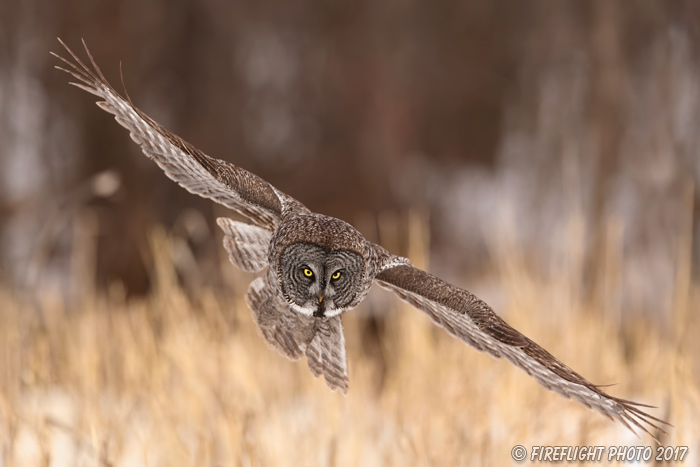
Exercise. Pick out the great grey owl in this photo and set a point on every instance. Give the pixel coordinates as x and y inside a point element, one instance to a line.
<point>316,267</point>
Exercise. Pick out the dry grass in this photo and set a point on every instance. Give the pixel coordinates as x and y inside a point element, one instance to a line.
<point>178,380</point>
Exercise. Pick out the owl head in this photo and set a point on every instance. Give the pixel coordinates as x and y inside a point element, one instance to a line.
<point>323,265</point>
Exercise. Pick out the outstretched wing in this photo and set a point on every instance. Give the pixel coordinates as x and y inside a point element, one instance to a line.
<point>473,321</point>
<point>295,335</point>
<point>200,174</point>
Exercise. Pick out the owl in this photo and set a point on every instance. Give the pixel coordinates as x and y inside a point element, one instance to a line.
<point>314,267</point>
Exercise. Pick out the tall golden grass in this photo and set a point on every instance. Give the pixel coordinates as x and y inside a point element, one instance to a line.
<point>181,378</point>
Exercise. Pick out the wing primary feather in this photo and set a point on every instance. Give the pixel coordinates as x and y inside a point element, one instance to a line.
<point>473,321</point>
<point>205,176</point>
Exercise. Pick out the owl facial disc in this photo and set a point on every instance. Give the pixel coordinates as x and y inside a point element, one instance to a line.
<point>319,282</point>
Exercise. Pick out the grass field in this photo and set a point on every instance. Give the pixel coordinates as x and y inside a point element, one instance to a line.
<point>183,378</point>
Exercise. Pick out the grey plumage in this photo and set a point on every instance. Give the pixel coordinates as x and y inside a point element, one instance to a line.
<point>319,267</point>
<point>247,245</point>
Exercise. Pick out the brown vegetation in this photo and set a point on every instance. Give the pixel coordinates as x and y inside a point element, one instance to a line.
<point>183,378</point>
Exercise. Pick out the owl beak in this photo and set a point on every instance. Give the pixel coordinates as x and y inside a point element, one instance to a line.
<point>320,299</point>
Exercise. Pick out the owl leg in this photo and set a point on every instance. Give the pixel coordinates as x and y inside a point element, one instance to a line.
<point>282,328</point>
<point>326,353</point>
<point>295,335</point>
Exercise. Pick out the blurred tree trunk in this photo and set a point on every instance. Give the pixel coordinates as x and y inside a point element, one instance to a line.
<point>362,93</point>
<point>606,120</point>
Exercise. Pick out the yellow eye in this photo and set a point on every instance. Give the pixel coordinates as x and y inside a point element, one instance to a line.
<point>336,275</point>
<point>308,272</point>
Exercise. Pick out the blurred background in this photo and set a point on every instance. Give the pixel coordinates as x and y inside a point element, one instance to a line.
<point>518,149</point>
<point>484,116</point>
